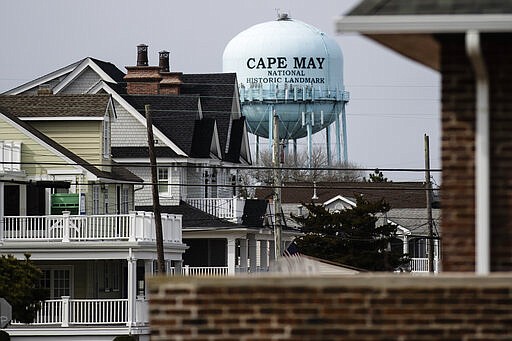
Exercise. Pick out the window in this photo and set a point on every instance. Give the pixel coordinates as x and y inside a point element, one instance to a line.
<point>111,276</point>
<point>105,198</point>
<point>57,281</point>
<point>10,156</point>
<point>125,200</point>
<point>163,182</point>
<point>95,199</point>
<point>106,136</point>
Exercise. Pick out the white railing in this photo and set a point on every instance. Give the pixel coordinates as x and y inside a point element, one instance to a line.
<point>200,271</point>
<point>98,311</point>
<point>66,311</point>
<point>134,226</point>
<point>421,265</point>
<point>224,208</point>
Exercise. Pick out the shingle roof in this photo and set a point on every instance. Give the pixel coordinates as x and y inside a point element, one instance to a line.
<point>110,69</point>
<point>56,105</point>
<point>118,173</point>
<point>193,218</point>
<point>141,152</point>
<point>415,220</point>
<point>235,140</point>
<point>202,138</point>
<point>397,194</point>
<point>432,7</point>
<point>217,91</point>
<point>174,116</point>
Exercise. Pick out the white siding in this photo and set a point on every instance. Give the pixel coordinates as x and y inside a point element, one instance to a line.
<point>82,83</point>
<point>143,197</point>
<point>128,131</point>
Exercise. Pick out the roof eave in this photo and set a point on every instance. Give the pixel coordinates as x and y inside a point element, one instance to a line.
<point>412,35</point>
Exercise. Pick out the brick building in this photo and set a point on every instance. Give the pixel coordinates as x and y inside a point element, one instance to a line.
<point>469,43</point>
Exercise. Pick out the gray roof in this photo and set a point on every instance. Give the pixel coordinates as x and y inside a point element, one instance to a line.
<point>431,7</point>
<point>56,105</point>
<point>415,220</point>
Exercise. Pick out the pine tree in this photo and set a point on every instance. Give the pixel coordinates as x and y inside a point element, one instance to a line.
<point>351,236</point>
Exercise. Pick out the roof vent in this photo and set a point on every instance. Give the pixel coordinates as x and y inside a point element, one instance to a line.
<point>44,90</point>
<point>283,16</point>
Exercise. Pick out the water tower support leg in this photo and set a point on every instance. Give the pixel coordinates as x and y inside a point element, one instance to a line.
<point>344,136</point>
<point>328,144</point>
<point>295,151</point>
<point>310,142</point>
<point>270,128</point>
<point>257,150</point>
<point>338,139</point>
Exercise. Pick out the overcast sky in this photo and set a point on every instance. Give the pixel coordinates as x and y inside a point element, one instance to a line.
<point>394,101</point>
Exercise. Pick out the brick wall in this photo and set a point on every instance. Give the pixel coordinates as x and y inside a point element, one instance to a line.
<point>368,307</point>
<point>458,146</point>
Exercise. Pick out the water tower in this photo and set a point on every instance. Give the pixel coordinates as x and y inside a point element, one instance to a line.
<point>289,68</point>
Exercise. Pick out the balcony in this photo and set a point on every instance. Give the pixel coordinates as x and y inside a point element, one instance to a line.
<point>230,209</point>
<point>66,312</point>
<point>135,226</point>
<point>421,265</point>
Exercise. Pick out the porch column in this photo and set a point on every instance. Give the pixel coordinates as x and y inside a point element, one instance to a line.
<point>231,255</point>
<point>2,204</point>
<point>252,252</point>
<point>264,254</point>
<point>243,255</point>
<point>23,200</point>
<point>272,249</point>
<point>406,244</point>
<point>132,288</point>
<point>148,271</point>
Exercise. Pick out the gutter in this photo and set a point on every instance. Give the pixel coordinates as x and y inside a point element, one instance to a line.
<point>439,23</point>
<point>482,159</point>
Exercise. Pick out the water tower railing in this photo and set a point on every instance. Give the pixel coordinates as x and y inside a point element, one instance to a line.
<point>305,93</point>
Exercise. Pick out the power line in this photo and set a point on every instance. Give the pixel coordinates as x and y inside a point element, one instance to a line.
<point>225,167</point>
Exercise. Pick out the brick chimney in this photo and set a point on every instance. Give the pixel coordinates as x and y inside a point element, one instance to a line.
<point>143,79</point>
<point>171,81</point>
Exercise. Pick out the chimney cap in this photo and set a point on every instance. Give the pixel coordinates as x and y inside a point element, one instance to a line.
<point>142,55</point>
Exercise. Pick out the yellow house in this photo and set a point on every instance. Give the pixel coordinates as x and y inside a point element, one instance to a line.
<point>65,202</point>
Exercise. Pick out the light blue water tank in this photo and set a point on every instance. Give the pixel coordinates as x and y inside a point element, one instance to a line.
<point>290,67</point>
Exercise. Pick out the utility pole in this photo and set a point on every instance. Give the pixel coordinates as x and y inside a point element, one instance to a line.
<point>277,188</point>
<point>154,190</point>
<point>428,191</point>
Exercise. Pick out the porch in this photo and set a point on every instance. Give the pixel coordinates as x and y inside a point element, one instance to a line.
<point>66,312</point>
<point>230,209</point>
<point>135,226</point>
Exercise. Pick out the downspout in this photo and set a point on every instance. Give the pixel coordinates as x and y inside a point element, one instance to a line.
<point>482,159</point>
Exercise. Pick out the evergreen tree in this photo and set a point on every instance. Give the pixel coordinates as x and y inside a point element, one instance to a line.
<point>350,236</point>
<point>19,286</point>
<point>376,176</point>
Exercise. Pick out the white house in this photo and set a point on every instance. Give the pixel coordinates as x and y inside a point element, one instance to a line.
<point>64,201</point>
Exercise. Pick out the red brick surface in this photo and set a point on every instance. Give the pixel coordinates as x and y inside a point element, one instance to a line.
<point>458,148</point>
<point>335,308</point>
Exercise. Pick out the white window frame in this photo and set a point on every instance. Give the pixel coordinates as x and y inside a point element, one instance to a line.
<point>164,179</point>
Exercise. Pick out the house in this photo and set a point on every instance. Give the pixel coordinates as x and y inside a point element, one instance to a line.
<point>406,199</point>
<point>201,143</point>
<point>469,43</point>
<point>65,201</point>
